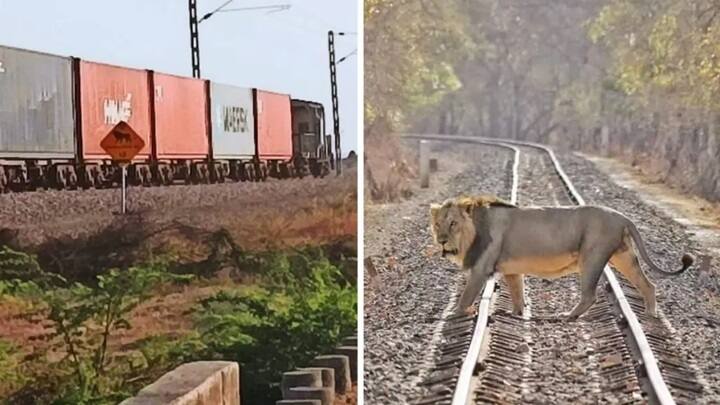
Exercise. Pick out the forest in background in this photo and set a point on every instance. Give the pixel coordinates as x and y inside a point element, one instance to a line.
<point>635,79</point>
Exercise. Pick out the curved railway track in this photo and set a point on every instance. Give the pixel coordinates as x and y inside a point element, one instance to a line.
<point>488,358</point>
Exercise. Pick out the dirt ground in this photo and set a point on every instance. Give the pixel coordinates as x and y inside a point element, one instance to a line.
<point>700,216</point>
<point>349,398</point>
<point>269,214</point>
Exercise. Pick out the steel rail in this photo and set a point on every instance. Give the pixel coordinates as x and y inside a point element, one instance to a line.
<point>649,362</point>
<point>658,387</point>
<point>463,387</point>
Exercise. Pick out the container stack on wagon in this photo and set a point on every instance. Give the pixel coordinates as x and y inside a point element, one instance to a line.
<point>37,122</point>
<point>232,111</point>
<point>182,148</point>
<point>54,111</point>
<point>106,95</point>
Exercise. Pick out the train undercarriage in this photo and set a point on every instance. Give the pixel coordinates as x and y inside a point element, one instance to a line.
<point>31,174</point>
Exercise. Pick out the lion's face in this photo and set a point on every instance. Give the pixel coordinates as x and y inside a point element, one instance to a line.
<point>452,228</point>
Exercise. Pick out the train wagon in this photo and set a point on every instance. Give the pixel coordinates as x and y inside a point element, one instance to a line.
<point>55,111</point>
<point>181,127</point>
<point>232,115</point>
<point>273,133</point>
<point>311,148</point>
<point>37,122</point>
<point>110,94</point>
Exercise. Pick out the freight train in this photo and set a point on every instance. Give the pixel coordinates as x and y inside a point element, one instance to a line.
<point>55,110</point>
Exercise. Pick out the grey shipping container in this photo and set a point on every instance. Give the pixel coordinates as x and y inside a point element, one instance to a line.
<point>233,124</point>
<point>36,105</point>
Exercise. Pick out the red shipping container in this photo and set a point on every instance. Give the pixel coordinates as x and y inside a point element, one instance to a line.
<point>181,127</point>
<point>108,95</point>
<point>274,125</point>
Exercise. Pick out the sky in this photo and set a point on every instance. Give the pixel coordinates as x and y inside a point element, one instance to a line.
<point>283,51</point>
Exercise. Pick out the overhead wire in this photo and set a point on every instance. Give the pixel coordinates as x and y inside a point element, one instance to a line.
<point>208,15</point>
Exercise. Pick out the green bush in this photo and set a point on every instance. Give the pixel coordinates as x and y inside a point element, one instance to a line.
<point>82,319</point>
<point>11,373</point>
<point>303,307</point>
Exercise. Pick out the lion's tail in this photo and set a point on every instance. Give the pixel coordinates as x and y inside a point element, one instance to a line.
<point>687,259</point>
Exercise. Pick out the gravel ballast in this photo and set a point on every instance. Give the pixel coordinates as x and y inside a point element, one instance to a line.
<point>42,215</point>
<point>691,302</point>
<point>404,303</point>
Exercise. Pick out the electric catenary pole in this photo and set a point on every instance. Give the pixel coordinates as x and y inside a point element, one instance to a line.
<point>194,38</point>
<point>194,22</point>
<point>334,94</point>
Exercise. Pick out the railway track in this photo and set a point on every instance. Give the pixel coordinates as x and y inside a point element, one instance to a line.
<point>613,354</point>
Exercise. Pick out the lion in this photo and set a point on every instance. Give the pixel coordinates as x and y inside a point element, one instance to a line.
<point>485,234</point>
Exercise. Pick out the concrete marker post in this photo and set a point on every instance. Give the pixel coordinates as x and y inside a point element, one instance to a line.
<point>325,395</point>
<point>424,164</point>
<point>301,378</point>
<point>341,365</point>
<point>351,353</point>
<point>327,375</point>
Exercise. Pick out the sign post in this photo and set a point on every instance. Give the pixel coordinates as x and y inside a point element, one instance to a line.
<point>123,210</point>
<point>122,143</point>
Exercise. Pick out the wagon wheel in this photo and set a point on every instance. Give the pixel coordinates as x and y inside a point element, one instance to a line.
<point>191,174</point>
<point>250,172</point>
<point>156,176</point>
<point>244,174</point>
<point>60,180</point>
<point>3,181</point>
<point>284,171</point>
<point>204,174</point>
<point>212,174</point>
<point>72,179</point>
<point>221,175</point>
<point>145,177</point>
<point>85,178</point>
<point>167,176</point>
<point>98,180</point>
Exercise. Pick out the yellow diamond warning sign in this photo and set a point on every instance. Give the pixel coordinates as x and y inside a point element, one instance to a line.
<point>122,143</point>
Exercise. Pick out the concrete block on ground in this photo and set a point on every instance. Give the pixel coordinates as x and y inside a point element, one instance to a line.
<point>299,402</point>
<point>341,365</point>
<point>197,383</point>
<point>326,374</point>
<point>351,352</point>
<point>325,395</point>
<point>302,378</point>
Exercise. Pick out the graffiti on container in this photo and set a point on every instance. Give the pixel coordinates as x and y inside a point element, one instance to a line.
<point>234,119</point>
<point>159,93</point>
<point>117,110</point>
